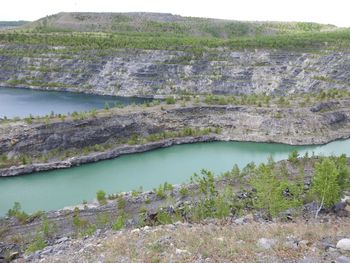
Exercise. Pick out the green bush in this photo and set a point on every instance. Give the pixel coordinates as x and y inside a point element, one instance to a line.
<point>119,223</point>
<point>325,184</point>
<point>293,157</point>
<point>170,100</point>
<point>37,244</point>
<point>121,203</point>
<point>183,191</point>
<point>101,197</point>
<point>271,191</point>
<point>102,219</point>
<point>16,212</point>
<point>48,228</point>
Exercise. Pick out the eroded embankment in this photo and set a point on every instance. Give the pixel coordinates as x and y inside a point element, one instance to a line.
<point>112,133</point>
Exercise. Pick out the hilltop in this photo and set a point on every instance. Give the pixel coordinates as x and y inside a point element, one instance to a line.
<point>162,23</point>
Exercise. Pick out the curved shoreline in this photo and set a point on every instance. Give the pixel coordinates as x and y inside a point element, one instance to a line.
<point>116,127</point>
<point>126,150</point>
<point>79,91</point>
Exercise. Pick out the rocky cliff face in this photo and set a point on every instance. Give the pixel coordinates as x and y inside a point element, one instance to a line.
<point>161,72</point>
<point>242,123</point>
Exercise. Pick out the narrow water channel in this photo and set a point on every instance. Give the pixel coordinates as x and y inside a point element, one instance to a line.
<point>60,188</point>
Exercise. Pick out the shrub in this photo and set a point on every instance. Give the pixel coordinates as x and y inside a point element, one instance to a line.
<point>134,139</point>
<point>293,157</point>
<point>102,219</point>
<point>170,100</point>
<point>121,203</point>
<point>344,172</point>
<point>325,184</point>
<point>16,212</point>
<point>119,223</point>
<point>160,192</point>
<point>101,197</point>
<point>274,194</point>
<point>183,191</point>
<point>48,228</point>
<point>164,217</point>
<point>106,106</point>
<point>37,244</point>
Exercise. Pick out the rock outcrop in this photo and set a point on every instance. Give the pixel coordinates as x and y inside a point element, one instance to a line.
<point>297,126</point>
<point>135,72</point>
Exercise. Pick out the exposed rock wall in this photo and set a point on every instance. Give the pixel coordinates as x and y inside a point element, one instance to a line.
<point>160,72</point>
<point>241,123</point>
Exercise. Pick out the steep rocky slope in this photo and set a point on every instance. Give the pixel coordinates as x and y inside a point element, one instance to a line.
<point>127,72</point>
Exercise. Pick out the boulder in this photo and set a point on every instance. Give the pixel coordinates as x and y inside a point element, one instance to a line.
<point>344,244</point>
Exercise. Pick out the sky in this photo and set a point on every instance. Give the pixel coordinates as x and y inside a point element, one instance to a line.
<point>334,12</point>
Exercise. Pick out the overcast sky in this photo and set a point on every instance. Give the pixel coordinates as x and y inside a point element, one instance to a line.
<point>335,12</point>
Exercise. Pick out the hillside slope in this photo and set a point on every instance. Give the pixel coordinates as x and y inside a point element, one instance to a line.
<point>213,241</point>
<point>150,54</point>
<point>161,23</point>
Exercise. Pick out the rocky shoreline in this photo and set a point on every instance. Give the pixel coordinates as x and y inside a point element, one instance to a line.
<point>62,237</point>
<point>95,157</point>
<point>295,126</point>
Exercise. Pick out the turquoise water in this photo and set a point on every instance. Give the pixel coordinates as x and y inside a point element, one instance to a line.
<point>16,102</point>
<point>60,188</point>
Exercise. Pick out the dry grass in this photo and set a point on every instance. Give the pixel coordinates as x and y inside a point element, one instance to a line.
<point>210,242</point>
<point>223,242</point>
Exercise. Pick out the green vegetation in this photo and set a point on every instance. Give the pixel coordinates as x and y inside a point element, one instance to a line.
<point>170,100</point>
<point>268,188</point>
<point>121,203</point>
<point>156,25</point>
<point>119,223</point>
<point>309,40</point>
<point>17,212</point>
<point>330,180</point>
<point>81,226</point>
<point>293,157</point>
<point>101,197</point>
<point>37,244</point>
<point>163,189</point>
<point>274,192</point>
<point>133,140</point>
<point>187,131</point>
<point>102,220</point>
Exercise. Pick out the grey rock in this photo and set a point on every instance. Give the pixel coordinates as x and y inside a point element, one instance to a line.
<point>326,244</point>
<point>344,244</point>
<point>46,250</point>
<point>239,221</point>
<point>61,240</point>
<point>308,260</point>
<point>265,243</point>
<point>292,244</point>
<point>131,72</point>
<point>343,259</point>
